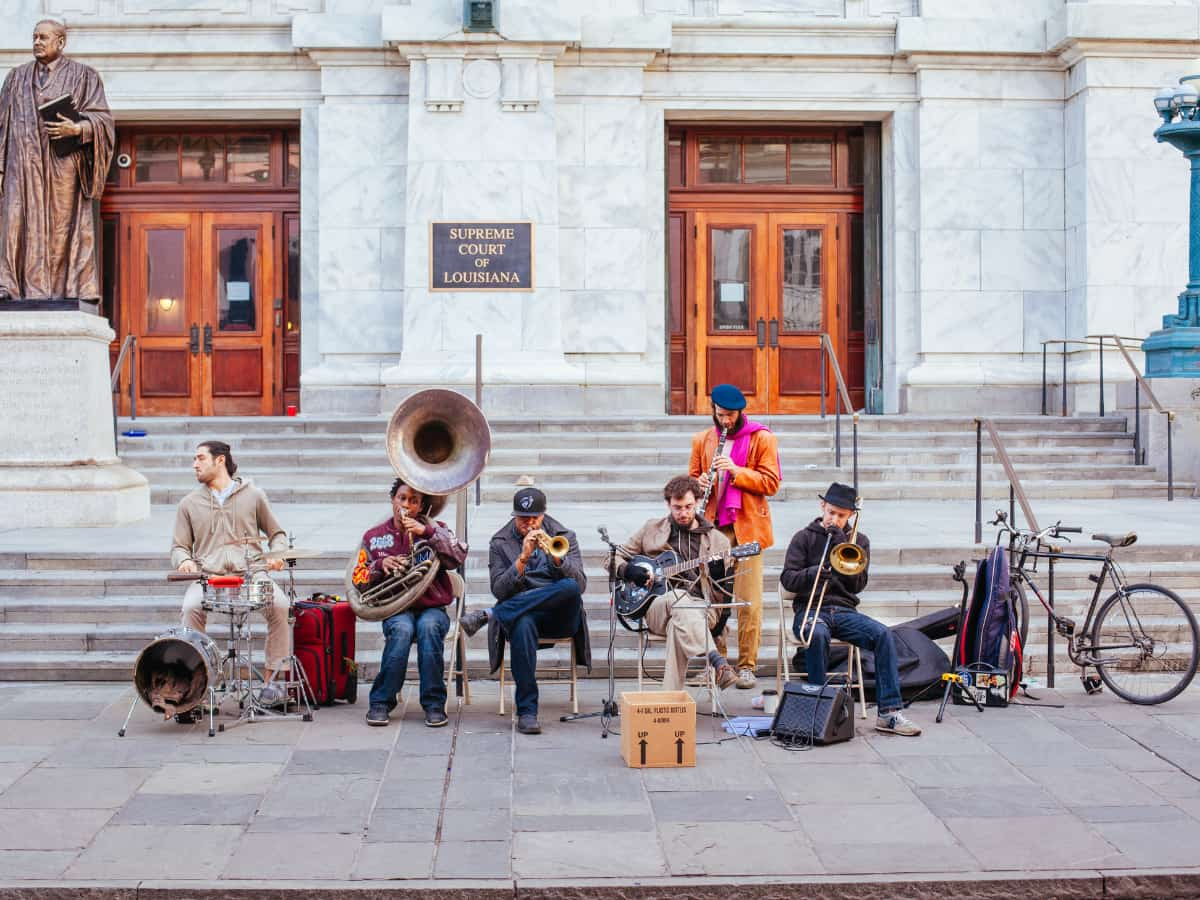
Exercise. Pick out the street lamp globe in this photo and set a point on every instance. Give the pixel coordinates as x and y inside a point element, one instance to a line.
<point>1163,103</point>
<point>1185,100</point>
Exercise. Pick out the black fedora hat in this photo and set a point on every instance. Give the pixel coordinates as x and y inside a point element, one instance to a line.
<point>840,495</point>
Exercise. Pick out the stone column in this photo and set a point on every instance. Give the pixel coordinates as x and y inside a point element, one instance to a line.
<point>482,148</point>
<point>58,465</point>
<point>353,205</point>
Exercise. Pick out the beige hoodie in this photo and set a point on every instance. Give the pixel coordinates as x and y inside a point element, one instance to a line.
<point>205,529</point>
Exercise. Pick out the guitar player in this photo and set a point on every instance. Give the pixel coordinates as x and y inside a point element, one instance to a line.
<point>682,613</point>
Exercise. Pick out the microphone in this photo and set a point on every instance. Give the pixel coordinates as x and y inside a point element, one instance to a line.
<point>603,533</point>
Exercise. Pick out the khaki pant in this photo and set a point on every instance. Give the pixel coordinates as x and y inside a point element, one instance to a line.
<point>747,587</point>
<point>685,622</point>
<point>276,615</point>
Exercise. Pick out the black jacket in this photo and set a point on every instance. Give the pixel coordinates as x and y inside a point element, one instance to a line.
<point>801,563</point>
<point>503,551</point>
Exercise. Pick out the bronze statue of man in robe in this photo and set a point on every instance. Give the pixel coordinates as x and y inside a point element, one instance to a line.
<point>47,228</point>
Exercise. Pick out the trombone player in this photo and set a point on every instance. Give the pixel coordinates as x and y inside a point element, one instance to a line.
<point>817,565</point>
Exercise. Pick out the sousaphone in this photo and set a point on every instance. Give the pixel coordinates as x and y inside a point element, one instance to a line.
<point>438,442</point>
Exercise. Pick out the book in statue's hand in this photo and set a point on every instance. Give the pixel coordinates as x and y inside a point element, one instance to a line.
<point>50,111</point>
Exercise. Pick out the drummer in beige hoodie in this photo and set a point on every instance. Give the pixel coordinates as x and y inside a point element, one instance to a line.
<point>210,525</point>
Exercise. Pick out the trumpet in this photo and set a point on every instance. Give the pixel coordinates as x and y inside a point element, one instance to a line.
<point>846,558</point>
<point>556,547</point>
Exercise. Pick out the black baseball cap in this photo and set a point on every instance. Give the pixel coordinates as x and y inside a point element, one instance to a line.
<point>529,502</point>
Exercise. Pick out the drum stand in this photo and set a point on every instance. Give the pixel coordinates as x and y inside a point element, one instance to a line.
<point>194,714</point>
<point>241,673</point>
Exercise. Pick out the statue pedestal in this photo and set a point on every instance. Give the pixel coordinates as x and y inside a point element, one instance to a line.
<point>57,463</point>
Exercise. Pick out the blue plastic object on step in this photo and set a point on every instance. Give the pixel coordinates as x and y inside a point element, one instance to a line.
<point>133,432</point>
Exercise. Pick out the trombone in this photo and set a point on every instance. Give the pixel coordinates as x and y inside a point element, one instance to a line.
<point>846,558</point>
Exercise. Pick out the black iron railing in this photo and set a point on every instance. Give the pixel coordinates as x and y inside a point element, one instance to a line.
<point>1117,343</point>
<point>1016,491</point>
<point>127,345</point>
<point>842,400</point>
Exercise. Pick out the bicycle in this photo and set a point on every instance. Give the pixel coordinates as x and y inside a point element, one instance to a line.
<point>1142,640</point>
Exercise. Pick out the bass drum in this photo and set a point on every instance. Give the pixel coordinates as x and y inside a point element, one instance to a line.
<point>174,671</point>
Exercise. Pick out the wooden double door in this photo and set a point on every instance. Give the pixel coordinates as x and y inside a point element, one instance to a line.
<point>767,286</point>
<point>202,300</point>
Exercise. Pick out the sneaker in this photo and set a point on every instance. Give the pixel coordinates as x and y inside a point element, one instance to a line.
<point>377,714</point>
<point>472,621</point>
<point>895,722</point>
<point>746,679</point>
<point>725,676</point>
<point>528,724</point>
<point>435,718</point>
<point>272,695</point>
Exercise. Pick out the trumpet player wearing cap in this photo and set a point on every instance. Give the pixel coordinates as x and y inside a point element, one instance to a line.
<point>212,525</point>
<point>386,550</point>
<point>807,572</point>
<point>738,482</point>
<point>538,581</point>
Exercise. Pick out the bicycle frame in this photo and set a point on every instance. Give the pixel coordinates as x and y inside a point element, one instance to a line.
<point>1080,649</point>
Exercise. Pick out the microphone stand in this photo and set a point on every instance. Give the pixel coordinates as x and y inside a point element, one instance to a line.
<point>608,706</point>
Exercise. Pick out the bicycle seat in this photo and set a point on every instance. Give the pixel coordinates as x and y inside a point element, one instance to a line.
<point>1117,540</point>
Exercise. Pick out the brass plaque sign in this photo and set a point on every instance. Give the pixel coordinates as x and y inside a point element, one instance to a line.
<point>481,256</point>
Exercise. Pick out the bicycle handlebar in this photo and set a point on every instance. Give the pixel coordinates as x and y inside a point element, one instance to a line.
<point>1067,529</point>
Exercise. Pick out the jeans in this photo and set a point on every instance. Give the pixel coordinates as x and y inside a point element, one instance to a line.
<point>861,631</point>
<point>552,611</point>
<point>429,626</point>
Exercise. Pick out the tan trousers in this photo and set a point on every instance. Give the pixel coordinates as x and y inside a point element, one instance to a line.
<point>685,622</point>
<point>747,587</point>
<point>276,615</point>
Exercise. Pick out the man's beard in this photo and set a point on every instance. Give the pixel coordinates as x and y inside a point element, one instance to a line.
<point>737,425</point>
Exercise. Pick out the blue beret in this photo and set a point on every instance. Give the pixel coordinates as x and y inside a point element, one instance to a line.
<point>728,397</point>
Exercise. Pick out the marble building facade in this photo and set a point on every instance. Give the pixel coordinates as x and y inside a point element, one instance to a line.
<point>1023,197</point>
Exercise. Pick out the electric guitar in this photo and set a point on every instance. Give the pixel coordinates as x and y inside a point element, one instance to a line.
<point>632,601</point>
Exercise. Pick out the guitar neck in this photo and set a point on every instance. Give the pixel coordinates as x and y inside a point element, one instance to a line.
<point>679,568</point>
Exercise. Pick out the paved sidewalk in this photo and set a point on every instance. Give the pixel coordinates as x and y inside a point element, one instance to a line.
<point>1074,796</point>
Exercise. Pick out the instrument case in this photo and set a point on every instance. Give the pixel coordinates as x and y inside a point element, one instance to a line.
<point>324,646</point>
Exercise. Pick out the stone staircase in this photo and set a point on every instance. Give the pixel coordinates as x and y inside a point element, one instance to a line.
<point>84,615</point>
<point>341,460</point>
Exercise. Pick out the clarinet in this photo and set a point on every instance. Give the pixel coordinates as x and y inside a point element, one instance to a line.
<point>712,472</point>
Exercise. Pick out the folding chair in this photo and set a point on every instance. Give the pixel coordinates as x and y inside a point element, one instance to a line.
<point>456,639</point>
<point>788,642</point>
<point>546,644</point>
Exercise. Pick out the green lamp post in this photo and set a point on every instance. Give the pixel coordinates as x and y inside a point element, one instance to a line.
<point>1174,350</point>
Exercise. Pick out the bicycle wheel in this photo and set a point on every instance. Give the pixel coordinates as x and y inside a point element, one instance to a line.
<point>1021,605</point>
<point>1146,641</point>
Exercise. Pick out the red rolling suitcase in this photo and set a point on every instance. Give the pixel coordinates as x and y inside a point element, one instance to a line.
<point>324,645</point>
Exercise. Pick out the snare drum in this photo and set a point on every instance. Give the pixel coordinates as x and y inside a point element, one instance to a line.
<point>260,592</point>
<point>223,594</point>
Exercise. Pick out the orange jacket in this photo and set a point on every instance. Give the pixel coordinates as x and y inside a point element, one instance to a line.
<point>757,481</point>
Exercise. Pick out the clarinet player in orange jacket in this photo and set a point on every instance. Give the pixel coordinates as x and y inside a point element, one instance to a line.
<point>743,477</point>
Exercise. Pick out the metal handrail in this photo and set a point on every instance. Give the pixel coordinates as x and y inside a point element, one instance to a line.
<point>1140,384</point>
<point>1016,491</point>
<point>1092,340</point>
<point>843,397</point>
<point>130,343</point>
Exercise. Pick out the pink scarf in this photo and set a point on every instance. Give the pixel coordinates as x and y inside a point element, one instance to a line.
<point>729,500</point>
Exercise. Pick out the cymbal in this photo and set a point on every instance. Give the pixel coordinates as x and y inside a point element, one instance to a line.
<point>292,553</point>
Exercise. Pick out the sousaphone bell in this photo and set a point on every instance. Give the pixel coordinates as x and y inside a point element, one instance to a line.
<point>438,442</point>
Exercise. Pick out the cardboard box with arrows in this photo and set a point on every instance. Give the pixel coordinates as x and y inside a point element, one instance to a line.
<point>658,729</point>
